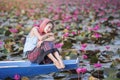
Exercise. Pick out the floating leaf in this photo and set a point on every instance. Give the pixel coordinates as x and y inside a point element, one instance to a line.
<point>7,33</point>
<point>67,45</point>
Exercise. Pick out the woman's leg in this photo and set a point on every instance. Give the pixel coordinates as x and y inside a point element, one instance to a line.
<point>58,57</point>
<point>55,61</point>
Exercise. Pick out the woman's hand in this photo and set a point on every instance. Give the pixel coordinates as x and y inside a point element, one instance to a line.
<point>39,43</point>
<point>50,34</point>
<point>50,38</point>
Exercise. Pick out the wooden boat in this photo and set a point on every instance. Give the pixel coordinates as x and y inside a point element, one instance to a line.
<point>26,68</point>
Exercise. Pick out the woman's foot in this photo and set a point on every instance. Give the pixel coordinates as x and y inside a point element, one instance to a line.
<point>61,64</point>
<point>57,64</point>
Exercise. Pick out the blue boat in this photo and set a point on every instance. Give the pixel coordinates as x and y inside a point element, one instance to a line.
<point>26,68</point>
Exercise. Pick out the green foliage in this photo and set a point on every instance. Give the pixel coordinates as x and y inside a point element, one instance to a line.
<point>67,45</point>
<point>111,78</point>
<point>93,59</point>
<point>7,33</point>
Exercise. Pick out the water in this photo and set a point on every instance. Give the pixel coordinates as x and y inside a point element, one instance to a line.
<point>72,75</point>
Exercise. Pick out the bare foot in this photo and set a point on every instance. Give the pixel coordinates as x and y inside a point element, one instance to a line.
<point>62,64</point>
<point>56,63</point>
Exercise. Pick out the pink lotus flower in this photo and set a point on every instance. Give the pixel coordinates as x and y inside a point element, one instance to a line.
<point>107,47</point>
<point>82,49</point>
<point>96,35</point>
<point>67,18</point>
<point>90,29</point>
<point>97,27</point>
<point>56,17</point>
<point>84,45</point>
<point>81,70</point>
<point>84,56</point>
<point>103,19</point>
<point>76,12</point>
<point>58,45</point>
<point>1,43</point>
<point>13,30</point>
<point>17,77</point>
<point>67,27</point>
<point>58,10</point>
<point>31,10</point>
<point>101,14</point>
<point>63,16</point>
<point>50,9</point>
<point>97,10</point>
<point>66,34</point>
<point>97,65</point>
<point>78,32</point>
<point>118,24</point>
<point>74,33</point>
<point>75,17</point>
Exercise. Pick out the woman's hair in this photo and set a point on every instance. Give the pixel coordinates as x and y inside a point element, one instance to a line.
<point>41,24</point>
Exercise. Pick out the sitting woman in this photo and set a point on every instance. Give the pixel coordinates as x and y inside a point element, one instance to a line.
<point>39,45</point>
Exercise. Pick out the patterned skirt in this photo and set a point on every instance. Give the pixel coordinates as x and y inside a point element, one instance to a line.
<point>39,55</point>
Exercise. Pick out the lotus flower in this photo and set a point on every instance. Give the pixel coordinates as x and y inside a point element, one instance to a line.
<point>103,19</point>
<point>56,17</point>
<point>84,56</point>
<point>67,18</point>
<point>1,43</point>
<point>97,65</point>
<point>107,47</point>
<point>75,17</point>
<point>96,35</point>
<point>101,14</point>
<point>50,9</point>
<point>76,12</point>
<point>74,33</point>
<point>66,34</point>
<point>97,27</point>
<point>90,29</point>
<point>118,24</point>
<point>67,27</point>
<point>82,49</point>
<point>58,10</point>
<point>13,30</point>
<point>58,45</point>
<point>81,70</point>
<point>17,77</point>
<point>84,45</point>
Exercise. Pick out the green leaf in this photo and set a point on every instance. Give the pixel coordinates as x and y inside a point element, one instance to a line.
<point>79,37</point>
<point>67,45</point>
<point>111,78</point>
<point>1,30</point>
<point>7,33</point>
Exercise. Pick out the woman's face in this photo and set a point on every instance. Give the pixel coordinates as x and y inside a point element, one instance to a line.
<point>48,28</point>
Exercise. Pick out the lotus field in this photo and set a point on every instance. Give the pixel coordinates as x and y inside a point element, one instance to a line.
<point>85,30</point>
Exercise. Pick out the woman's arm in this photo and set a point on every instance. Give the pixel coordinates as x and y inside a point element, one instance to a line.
<point>40,37</point>
<point>50,38</point>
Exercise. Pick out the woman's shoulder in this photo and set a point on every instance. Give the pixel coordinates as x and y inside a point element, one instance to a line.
<point>35,28</point>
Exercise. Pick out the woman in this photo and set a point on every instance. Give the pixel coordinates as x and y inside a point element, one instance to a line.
<point>40,47</point>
